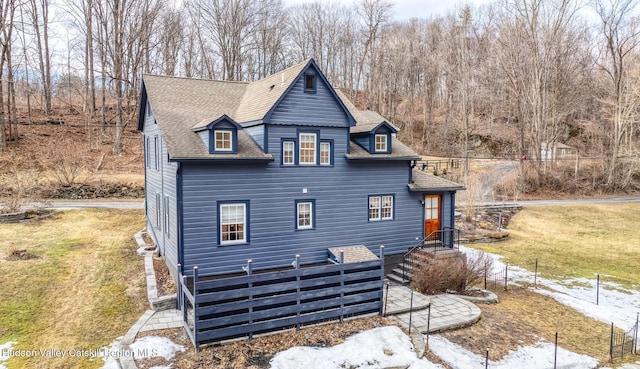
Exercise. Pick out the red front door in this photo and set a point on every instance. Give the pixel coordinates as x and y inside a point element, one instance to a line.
<point>431,216</point>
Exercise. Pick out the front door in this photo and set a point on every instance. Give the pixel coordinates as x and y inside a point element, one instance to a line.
<point>431,216</point>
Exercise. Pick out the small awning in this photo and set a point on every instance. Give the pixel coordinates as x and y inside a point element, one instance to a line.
<point>352,254</point>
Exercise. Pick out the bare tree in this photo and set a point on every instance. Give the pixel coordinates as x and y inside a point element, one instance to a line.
<point>38,11</point>
<point>620,32</point>
<point>7,14</point>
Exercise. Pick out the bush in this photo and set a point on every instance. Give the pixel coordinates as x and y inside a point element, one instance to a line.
<point>437,275</point>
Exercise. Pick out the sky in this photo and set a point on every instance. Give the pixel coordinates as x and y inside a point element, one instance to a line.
<point>407,9</point>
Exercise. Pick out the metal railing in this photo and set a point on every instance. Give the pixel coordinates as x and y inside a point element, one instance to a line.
<point>444,239</point>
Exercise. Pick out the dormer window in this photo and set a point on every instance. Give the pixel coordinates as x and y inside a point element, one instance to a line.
<point>381,143</point>
<point>219,135</point>
<point>310,82</point>
<point>223,140</point>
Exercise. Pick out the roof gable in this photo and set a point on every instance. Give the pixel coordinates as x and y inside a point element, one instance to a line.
<point>303,101</point>
<point>224,120</point>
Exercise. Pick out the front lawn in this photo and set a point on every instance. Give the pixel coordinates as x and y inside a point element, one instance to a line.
<point>573,241</point>
<point>70,282</point>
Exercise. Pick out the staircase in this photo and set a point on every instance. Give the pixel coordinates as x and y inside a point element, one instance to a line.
<point>440,244</point>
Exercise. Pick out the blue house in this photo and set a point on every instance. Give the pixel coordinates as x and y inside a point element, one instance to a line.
<point>280,167</point>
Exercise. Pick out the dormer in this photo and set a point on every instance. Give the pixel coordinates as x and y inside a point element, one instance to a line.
<point>375,138</point>
<point>219,135</point>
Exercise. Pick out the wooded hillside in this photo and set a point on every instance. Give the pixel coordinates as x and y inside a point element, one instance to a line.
<point>506,80</point>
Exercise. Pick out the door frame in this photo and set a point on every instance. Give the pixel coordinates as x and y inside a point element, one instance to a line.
<point>424,213</point>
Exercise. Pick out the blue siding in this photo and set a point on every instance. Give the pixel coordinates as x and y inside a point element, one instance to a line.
<point>340,193</point>
<point>257,133</point>
<point>364,141</point>
<point>310,109</point>
<point>204,136</point>
<point>161,182</point>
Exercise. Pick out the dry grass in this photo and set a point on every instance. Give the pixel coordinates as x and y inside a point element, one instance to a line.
<point>257,353</point>
<point>576,241</point>
<point>84,289</point>
<point>523,317</point>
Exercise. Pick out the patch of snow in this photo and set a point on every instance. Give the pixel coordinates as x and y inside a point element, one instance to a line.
<point>376,348</point>
<point>540,356</point>
<point>111,353</point>
<point>616,304</point>
<point>154,346</point>
<point>4,349</point>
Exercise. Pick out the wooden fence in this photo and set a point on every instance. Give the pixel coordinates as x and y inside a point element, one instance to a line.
<point>243,306</point>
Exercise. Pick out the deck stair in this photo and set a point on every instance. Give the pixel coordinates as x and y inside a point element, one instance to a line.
<point>438,245</point>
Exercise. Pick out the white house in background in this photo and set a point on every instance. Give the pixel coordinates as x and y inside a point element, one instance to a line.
<point>554,151</point>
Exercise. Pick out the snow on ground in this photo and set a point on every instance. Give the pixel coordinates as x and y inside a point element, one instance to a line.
<point>111,360</point>
<point>376,348</point>
<point>153,346</point>
<point>142,348</point>
<point>540,356</point>
<point>4,349</point>
<point>617,304</point>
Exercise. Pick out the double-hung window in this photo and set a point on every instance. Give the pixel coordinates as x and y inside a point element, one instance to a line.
<point>381,207</point>
<point>233,223</point>
<point>304,214</point>
<point>307,148</point>
<point>288,152</point>
<point>325,153</point>
<point>156,154</point>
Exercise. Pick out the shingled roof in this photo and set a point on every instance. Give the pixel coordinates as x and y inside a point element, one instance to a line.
<point>423,181</point>
<point>183,105</point>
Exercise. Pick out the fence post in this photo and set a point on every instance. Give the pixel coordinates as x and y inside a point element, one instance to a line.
<point>184,306</point>
<point>410,310</point>
<point>635,339</point>
<point>341,286</point>
<point>250,286</point>
<point>179,296</point>
<point>298,291</point>
<point>598,291</point>
<point>611,345</point>
<point>535,275</point>
<point>506,269</point>
<point>383,309</point>
<point>195,308</point>
<point>485,278</point>
<point>555,353</point>
<point>428,323</point>
<point>486,359</point>
<point>386,297</point>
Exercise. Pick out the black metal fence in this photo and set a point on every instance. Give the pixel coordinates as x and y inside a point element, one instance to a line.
<point>497,281</point>
<point>220,309</point>
<point>623,343</point>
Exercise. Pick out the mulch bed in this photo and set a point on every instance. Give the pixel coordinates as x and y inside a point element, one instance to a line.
<point>257,353</point>
<point>164,281</point>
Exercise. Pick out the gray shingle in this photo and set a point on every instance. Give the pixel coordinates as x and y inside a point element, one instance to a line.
<point>423,181</point>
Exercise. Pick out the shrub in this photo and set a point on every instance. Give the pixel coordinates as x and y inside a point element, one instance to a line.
<point>437,275</point>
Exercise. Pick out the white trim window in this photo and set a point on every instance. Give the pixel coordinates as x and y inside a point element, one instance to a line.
<point>233,224</point>
<point>288,152</point>
<point>307,148</point>
<point>325,153</point>
<point>304,215</point>
<point>380,207</point>
<point>381,143</point>
<point>223,140</point>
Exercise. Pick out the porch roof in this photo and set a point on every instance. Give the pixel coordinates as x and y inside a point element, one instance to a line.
<point>427,182</point>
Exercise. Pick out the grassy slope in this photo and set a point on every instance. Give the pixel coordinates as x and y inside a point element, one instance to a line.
<point>569,241</point>
<point>576,241</point>
<point>84,289</point>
